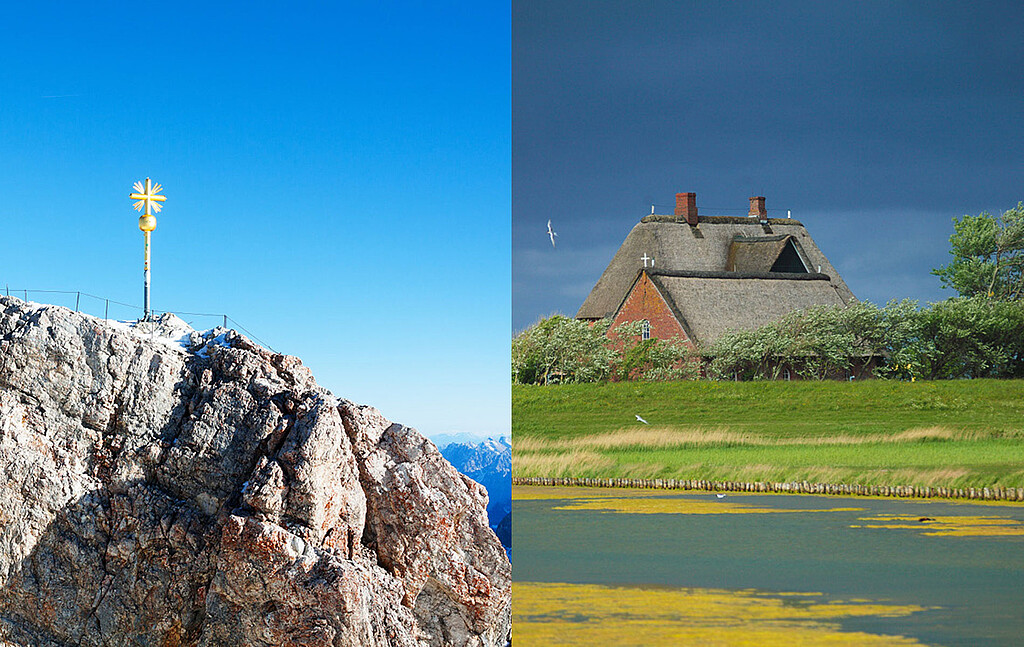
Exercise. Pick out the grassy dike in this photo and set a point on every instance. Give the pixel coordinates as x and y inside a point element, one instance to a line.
<point>963,433</point>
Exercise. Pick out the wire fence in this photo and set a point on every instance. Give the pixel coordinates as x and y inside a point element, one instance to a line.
<point>119,311</point>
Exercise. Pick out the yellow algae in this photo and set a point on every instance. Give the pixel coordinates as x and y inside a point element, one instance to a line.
<point>547,614</point>
<point>645,501</point>
<point>955,526</point>
<point>790,594</point>
<point>676,505</point>
<point>993,503</point>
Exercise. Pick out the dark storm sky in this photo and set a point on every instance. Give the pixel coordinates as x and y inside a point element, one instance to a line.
<point>875,123</point>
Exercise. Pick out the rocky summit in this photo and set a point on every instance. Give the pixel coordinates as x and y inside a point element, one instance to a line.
<point>162,486</point>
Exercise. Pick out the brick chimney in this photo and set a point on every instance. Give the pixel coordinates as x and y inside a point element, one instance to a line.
<point>686,207</point>
<point>757,208</point>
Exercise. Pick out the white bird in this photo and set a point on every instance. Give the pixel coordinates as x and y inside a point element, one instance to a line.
<point>720,496</point>
<point>551,234</point>
<point>642,420</point>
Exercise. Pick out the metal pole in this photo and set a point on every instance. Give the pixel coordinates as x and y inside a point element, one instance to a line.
<point>145,313</point>
<point>145,195</point>
<point>225,321</point>
<point>106,308</point>
<point>77,300</point>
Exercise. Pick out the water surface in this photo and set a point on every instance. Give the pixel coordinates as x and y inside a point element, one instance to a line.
<point>927,572</point>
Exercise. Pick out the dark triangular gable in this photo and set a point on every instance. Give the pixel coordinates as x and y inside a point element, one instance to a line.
<point>789,260</point>
<point>781,254</point>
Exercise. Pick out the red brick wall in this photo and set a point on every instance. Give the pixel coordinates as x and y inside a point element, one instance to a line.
<point>645,302</point>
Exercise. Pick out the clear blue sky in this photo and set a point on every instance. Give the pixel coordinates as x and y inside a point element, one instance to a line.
<point>875,122</point>
<point>337,179</point>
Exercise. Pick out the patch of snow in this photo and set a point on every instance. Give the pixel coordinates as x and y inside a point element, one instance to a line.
<point>173,333</point>
<point>214,337</point>
<point>499,445</point>
<point>167,330</point>
<point>447,438</point>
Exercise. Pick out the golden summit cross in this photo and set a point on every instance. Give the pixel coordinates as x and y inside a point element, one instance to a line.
<point>147,195</point>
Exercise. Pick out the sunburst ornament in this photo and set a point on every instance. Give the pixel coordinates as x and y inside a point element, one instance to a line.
<point>147,196</point>
<point>147,199</point>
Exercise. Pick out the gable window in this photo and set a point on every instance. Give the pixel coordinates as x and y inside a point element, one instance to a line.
<point>645,329</point>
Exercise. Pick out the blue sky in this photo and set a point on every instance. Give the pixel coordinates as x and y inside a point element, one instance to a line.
<point>875,123</point>
<point>337,179</point>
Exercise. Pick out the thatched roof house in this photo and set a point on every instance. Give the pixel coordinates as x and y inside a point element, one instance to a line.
<point>701,276</point>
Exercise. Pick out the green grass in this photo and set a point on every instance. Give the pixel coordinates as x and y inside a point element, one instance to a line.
<point>953,433</point>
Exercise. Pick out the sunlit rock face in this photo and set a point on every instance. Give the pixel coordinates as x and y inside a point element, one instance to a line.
<point>166,487</point>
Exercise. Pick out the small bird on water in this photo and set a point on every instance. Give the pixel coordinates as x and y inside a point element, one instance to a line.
<point>720,496</point>
<point>551,234</point>
<point>642,420</point>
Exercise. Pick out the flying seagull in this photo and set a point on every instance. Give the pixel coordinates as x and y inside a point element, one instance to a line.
<point>642,420</point>
<point>551,234</point>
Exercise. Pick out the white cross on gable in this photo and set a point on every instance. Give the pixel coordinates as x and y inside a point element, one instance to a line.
<point>646,258</point>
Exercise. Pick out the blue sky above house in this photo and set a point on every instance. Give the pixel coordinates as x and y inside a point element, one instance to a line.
<point>875,123</point>
<point>337,179</point>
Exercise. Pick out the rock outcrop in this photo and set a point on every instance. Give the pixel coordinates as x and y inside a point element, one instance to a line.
<point>165,487</point>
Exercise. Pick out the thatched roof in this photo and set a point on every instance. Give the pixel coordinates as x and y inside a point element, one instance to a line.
<point>716,275</point>
<point>762,254</point>
<point>710,306</point>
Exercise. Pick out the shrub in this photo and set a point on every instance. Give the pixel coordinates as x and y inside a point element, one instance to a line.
<point>560,349</point>
<point>650,359</point>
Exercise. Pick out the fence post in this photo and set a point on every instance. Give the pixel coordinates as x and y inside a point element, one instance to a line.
<point>225,321</point>
<point>78,298</point>
<point>106,308</point>
<point>26,295</point>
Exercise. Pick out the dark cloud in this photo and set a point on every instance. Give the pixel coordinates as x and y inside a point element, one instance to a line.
<point>906,114</point>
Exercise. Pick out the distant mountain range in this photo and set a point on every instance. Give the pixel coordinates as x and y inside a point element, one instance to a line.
<point>489,463</point>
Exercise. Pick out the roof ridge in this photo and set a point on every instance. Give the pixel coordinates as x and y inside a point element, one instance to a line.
<point>723,274</point>
<point>720,220</point>
<point>774,238</point>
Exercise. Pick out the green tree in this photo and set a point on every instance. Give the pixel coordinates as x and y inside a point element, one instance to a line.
<point>973,337</point>
<point>751,354</point>
<point>560,349</point>
<point>988,256</point>
<point>824,341</point>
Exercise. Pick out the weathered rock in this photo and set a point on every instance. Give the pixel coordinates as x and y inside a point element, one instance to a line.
<point>162,487</point>
<point>426,545</point>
